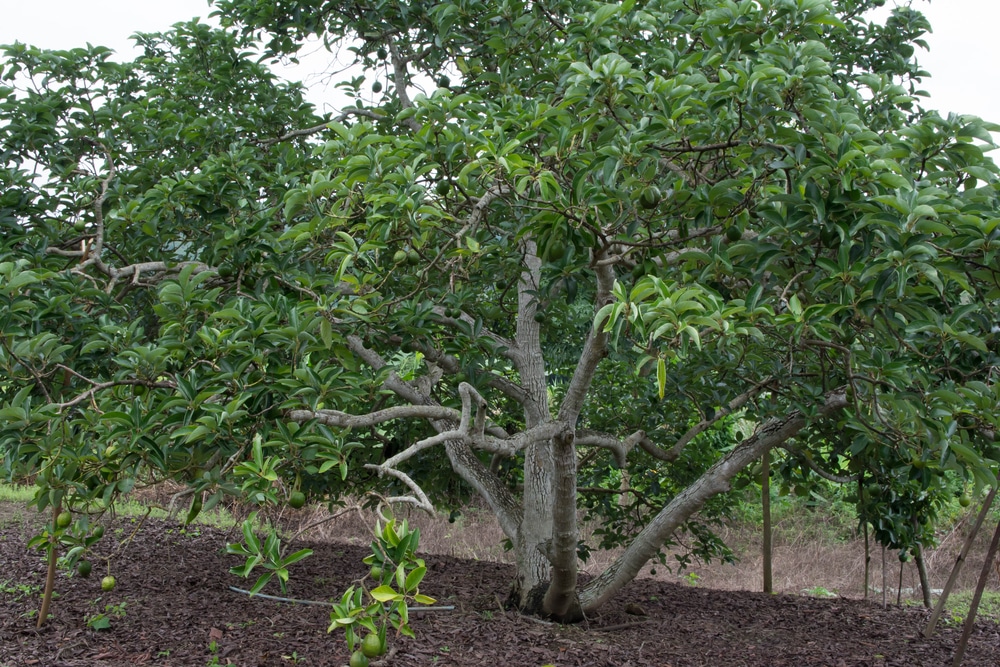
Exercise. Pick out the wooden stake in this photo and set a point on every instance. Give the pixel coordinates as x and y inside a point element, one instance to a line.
<point>957,568</point>
<point>765,501</point>
<point>984,576</point>
<point>884,579</point>
<point>864,521</point>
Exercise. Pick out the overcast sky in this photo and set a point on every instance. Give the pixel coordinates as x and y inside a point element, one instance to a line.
<point>963,60</point>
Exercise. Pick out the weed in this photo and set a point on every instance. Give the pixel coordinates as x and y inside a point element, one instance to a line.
<point>691,578</point>
<point>20,591</point>
<point>102,620</point>
<point>819,592</point>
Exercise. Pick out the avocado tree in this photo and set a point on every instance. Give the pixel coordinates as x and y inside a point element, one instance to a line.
<point>550,249</point>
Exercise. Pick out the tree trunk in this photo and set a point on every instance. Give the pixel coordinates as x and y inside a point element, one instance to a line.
<point>561,601</point>
<point>925,584</point>
<point>714,481</point>
<point>535,534</point>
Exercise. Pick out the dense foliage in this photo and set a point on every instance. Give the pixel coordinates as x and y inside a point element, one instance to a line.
<point>548,247</point>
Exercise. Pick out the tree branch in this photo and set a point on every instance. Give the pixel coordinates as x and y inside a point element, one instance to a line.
<point>594,350</point>
<point>713,482</point>
<point>705,424</point>
<point>419,498</point>
<point>399,79</point>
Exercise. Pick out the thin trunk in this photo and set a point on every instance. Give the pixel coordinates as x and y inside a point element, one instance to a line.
<point>864,523</point>
<point>884,580</point>
<point>957,568</point>
<point>50,576</point>
<point>765,501</point>
<point>899,586</point>
<point>868,561</point>
<point>925,584</point>
<point>970,619</point>
<point>714,481</point>
<point>561,602</point>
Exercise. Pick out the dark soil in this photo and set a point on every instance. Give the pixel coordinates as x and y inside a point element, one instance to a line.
<point>178,609</point>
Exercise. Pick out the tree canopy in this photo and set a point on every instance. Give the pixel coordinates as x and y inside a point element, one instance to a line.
<point>549,252</point>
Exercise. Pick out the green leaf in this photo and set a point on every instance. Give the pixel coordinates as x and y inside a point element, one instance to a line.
<point>386,594</point>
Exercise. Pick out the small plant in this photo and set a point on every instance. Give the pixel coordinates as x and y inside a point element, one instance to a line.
<point>21,591</point>
<point>102,620</point>
<point>396,573</point>
<point>691,578</point>
<point>267,554</point>
<point>819,592</point>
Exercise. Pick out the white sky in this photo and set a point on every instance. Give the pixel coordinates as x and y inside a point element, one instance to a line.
<point>964,59</point>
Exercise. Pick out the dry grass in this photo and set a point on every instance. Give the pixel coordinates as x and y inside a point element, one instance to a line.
<point>811,553</point>
<point>806,559</point>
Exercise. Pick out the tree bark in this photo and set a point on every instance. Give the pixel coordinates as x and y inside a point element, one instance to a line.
<point>561,602</point>
<point>925,584</point>
<point>713,482</point>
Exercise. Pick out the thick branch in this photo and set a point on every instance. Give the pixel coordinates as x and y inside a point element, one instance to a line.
<point>463,460</point>
<point>401,80</point>
<point>594,350</point>
<point>419,498</point>
<point>705,424</point>
<point>345,420</point>
<point>305,132</point>
<point>800,455</point>
<point>620,448</point>
<point>713,482</point>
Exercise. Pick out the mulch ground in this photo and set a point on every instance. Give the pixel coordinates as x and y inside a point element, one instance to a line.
<point>173,606</point>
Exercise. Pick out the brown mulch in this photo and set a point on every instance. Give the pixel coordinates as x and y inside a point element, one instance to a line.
<point>178,610</point>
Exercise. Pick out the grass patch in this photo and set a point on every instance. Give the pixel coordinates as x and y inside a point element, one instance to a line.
<point>957,607</point>
<point>218,517</point>
<point>16,493</point>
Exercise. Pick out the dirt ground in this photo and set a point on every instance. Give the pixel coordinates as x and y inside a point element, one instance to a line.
<point>173,606</point>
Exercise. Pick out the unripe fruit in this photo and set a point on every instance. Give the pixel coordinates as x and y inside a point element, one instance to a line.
<point>376,573</point>
<point>83,568</point>
<point>372,646</point>
<point>297,500</point>
<point>98,532</point>
<point>359,659</point>
<point>650,197</point>
<point>108,584</point>
<point>64,519</point>
<point>377,87</point>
